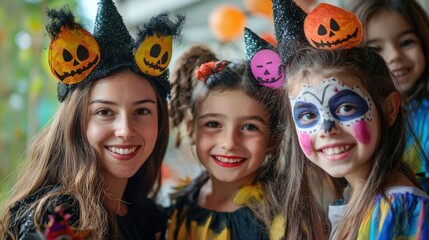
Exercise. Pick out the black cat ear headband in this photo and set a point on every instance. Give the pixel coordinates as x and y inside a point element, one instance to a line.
<point>77,57</point>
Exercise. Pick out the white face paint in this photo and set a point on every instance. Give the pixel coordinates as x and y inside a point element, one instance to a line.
<point>332,103</point>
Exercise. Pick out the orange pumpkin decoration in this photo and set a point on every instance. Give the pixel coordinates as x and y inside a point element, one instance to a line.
<point>154,54</point>
<point>73,54</point>
<point>227,22</point>
<point>330,27</point>
<point>259,7</point>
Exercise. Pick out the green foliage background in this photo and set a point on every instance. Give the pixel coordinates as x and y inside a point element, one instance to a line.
<point>27,88</point>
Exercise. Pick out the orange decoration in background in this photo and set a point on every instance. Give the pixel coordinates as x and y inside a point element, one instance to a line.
<point>305,4</point>
<point>269,37</point>
<point>259,7</point>
<point>227,22</point>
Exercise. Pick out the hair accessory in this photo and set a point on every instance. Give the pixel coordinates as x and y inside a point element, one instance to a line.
<point>78,58</point>
<point>208,68</point>
<point>288,27</point>
<point>265,62</point>
<point>331,27</point>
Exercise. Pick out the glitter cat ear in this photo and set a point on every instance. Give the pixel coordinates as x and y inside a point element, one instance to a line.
<point>288,27</point>
<point>331,27</point>
<point>265,62</point>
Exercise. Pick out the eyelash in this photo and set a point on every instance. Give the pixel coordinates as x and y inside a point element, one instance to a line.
<point>108,113</point>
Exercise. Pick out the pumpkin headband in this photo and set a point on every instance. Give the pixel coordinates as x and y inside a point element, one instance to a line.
<point>331,27</point>
<point>77,58</point>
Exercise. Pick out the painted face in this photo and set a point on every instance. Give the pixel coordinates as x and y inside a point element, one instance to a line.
<point>265,68</point>
<point>232,136</point>
<point>400,47</point>
<point>336,124</point>
<point>122,127</point>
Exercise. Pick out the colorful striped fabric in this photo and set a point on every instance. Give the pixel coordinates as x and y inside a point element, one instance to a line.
<point>401,215</point>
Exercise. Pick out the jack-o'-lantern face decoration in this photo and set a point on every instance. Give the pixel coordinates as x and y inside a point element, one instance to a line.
<point>73,54</point>
<point>265,66</point>
<point>154,54</point>
<point>330,27</point>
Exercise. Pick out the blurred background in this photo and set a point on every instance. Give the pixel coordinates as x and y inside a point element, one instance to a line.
<point>28,90</point>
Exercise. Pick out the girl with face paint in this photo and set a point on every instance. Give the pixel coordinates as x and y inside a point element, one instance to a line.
<point>399,30</point>
<point>348,121</point>
<point>234,122</point>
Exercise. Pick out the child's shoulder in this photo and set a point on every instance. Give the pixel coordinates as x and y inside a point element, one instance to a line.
<point>400,212</point>
<point>188,187</point>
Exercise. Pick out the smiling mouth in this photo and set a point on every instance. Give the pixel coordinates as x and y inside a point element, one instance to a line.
<point>332,151</point>
<point>228,159</point>
<point>122,151</point>
<point>400,73</point>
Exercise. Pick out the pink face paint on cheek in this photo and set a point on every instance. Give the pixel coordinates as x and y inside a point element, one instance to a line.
<point>362,133</point>
<point>305,143</point>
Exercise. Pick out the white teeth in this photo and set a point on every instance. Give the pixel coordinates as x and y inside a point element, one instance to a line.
<point>336,150</point>
<point>229,160</point>
<point>399,73</point>
<point>122,150</point>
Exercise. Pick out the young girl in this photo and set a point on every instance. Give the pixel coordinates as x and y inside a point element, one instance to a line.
<point>97,163</point>
<point>352,128</point>
<point>399,30</point>
<point>236,126</point>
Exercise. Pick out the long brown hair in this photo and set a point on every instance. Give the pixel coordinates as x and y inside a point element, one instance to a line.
<point>61,155</point>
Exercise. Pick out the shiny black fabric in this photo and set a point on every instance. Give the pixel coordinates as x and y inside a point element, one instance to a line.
<point>142,221</point>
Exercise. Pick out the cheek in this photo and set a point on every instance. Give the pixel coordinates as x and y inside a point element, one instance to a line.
<point>305,143</point>
<point>361,131</point>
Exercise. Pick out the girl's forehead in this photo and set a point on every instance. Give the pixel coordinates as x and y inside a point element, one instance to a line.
<point>319,80</point>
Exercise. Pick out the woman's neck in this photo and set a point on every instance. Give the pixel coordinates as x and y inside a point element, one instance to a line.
<point>114,189</point>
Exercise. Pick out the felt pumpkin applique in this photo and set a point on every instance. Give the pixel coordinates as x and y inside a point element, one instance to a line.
<point>154,54</point>
<point>73,55</point>
<point>331,27</point>
<point>265,62</point>
<point>265,66</point>
<point>73,51</point>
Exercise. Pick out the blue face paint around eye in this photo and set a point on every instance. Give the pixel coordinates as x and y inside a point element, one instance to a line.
<point>306,115</point>
<point>354,105</point>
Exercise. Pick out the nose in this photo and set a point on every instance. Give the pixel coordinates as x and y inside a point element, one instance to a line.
<point>392,54</point>
<point>230,140</point>
<point>124,128</point>
<point>328,127</point>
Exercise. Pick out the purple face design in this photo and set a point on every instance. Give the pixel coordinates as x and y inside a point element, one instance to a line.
<point>265,66</point>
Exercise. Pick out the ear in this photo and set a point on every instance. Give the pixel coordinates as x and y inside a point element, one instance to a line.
<point>392,104</point>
